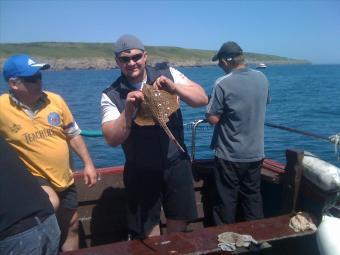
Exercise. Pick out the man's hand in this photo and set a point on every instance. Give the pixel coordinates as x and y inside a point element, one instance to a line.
<point>133,99</point>
<point>166,84</point>
<point>78,145</point>
<point>90,176</point>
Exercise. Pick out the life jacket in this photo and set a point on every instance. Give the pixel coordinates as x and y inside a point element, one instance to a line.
<point>148,147</point>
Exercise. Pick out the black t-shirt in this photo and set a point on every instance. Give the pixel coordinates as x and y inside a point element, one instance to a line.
<point>21,196</point>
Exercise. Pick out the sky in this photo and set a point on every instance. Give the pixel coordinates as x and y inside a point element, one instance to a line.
<point>297,29</point>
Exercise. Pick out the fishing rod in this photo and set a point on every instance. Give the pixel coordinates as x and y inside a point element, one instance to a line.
<point>333,138</point>
<point>298,131</point>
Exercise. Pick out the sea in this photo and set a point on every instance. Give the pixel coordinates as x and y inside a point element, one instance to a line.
<point>303,97</point>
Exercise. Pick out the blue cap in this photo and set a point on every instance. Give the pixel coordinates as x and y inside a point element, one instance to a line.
<point>21,66</point>
<point>128,42</point>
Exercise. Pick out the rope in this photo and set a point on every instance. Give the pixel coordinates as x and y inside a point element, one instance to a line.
<point>91,133</point>
<point>336,140</point>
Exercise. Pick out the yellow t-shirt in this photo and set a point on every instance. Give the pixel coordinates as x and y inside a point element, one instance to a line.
<point>40,140</point>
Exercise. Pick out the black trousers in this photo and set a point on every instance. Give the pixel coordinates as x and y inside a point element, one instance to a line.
<point>237,183</point>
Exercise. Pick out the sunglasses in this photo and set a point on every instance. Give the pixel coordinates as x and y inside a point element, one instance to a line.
<point>31,79</point>
<point>134,58</point>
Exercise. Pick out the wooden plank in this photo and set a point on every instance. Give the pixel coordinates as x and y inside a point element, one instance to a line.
<point>273,166</point>
<point>202,241</point>
<point>102,208</point>
<point>291,181</point>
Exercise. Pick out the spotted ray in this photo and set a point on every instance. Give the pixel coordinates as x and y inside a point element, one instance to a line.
<point>157,107</point>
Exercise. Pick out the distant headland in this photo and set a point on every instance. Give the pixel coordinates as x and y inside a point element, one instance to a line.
<point>68,56</point>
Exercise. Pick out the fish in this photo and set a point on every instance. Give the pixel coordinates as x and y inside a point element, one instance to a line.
<point>157,107</point>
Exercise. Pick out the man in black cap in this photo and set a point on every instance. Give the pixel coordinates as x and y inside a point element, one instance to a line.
<point>156,173</point>
<point>237,109</point>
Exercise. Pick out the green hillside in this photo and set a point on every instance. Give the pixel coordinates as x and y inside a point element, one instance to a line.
<point>100,55</point>
<point>58,50</point>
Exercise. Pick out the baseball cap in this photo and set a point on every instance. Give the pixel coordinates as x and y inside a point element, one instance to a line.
<point>128,42</point>
<point>21,66</point>
<point>228,50</point>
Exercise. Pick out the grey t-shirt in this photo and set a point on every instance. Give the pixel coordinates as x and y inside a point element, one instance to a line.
<point>240,98</point>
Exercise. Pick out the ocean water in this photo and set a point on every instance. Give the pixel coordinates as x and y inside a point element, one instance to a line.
<point>304,97</point>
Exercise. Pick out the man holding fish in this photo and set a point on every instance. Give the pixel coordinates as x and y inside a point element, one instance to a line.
<point>137,114</point>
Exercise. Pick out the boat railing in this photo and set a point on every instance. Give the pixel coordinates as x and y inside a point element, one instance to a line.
<point>333,138</point>
<point>195,124</point>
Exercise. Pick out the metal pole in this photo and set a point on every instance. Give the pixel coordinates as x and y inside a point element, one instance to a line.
<point>193,136</point>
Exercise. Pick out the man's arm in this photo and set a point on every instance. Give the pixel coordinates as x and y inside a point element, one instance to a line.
<point>117,131</point>
<point>78,145</point>
<point>190,92</point>
<point>215,107</point>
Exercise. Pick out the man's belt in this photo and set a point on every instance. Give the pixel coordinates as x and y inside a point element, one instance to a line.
<point>22,226</point>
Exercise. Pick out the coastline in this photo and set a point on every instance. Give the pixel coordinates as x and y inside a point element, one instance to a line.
<point>58,64</point>
<point>99,56</point>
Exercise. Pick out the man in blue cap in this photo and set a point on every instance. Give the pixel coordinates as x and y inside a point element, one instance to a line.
<point>156,173</point>
<point>40,127</point>
<point>237,108</point>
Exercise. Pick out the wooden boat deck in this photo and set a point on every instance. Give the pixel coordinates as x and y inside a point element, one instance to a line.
<point>202,241</point>
<point>103,223</point>
<point>102,208</point>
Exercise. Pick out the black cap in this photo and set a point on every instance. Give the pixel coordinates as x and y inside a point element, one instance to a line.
<point>128,42</point>
<point>228,50</point>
